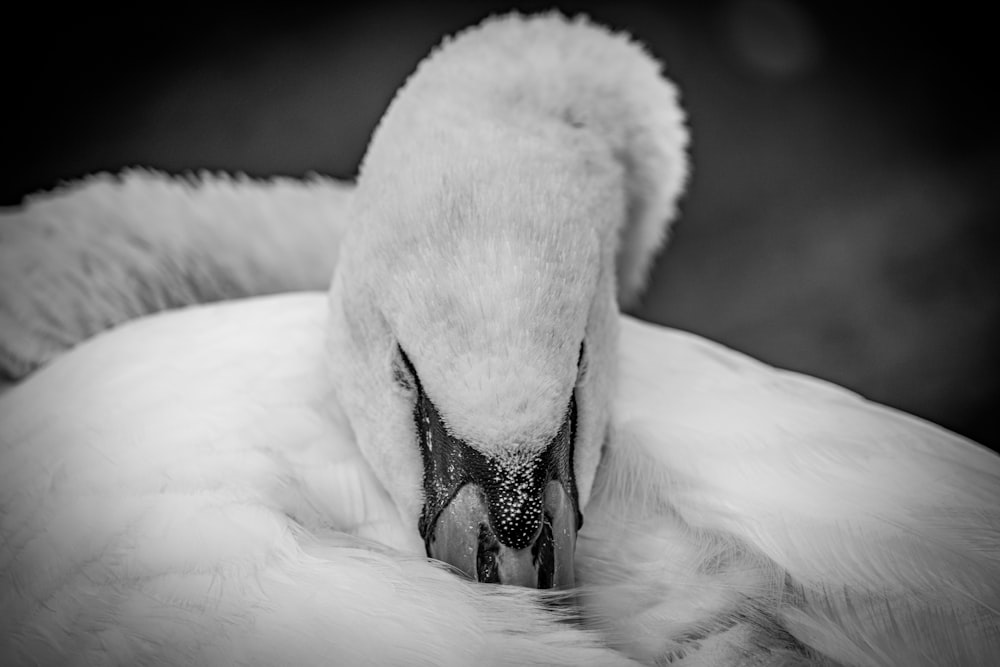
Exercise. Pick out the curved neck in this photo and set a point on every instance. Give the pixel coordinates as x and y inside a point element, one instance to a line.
<point>514,109</point>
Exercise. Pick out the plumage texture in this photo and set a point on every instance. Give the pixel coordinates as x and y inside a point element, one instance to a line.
<point>543,103</point>
<point>187,489</point>
<point>172,478</point>
<point>199,500</point>
<point>107,249</point>
<point>885,528</point>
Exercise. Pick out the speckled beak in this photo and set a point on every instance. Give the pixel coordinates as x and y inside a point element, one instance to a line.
<point>510,521</point>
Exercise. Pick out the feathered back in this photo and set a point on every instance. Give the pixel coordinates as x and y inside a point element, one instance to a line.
<point>108,249</point>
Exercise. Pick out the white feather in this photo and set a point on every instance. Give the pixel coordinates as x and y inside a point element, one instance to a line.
<point>107,249</point>
<point>184,491</point>
<point>885,528</point>
<point>171,478</point>
<point>187,488</point>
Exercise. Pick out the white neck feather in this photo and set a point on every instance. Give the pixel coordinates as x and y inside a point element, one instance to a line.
<point>522,85</point>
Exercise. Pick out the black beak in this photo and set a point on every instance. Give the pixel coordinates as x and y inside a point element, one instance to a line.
<point>510,520</point>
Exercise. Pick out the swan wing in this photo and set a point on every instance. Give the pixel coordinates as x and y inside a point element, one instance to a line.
<point>184,490</point>
<point>107,249</point>
<point>884,529</point>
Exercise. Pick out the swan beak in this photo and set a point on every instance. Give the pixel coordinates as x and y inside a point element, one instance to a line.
<point>508,521</point>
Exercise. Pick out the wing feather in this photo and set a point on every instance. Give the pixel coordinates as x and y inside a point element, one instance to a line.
<point>887,527</point>
<point>110,248</point>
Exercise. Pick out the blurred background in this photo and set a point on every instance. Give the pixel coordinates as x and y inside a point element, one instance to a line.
<point>841,220</point>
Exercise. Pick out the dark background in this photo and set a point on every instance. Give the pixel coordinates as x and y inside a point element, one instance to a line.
<point>842,218</point>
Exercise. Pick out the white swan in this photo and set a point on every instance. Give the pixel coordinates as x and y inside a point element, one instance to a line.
<point>246,482</point>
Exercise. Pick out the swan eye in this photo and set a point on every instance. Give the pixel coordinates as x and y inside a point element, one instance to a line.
<point>403,374</point>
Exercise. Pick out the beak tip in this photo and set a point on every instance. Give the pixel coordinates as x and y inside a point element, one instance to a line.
<point>462,537</point>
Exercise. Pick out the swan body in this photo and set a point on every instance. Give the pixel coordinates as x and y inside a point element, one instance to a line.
<point>181,479</point>
<point>247,483</point>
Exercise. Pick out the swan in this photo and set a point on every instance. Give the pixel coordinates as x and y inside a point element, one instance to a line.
<point>263,480</point>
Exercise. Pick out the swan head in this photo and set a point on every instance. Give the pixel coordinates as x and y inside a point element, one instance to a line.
<point>475,305</point>
<point>474,314</point>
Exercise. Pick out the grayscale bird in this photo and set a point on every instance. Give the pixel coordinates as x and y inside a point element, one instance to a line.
<point>461,453</point>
